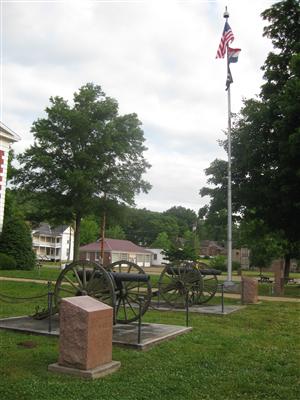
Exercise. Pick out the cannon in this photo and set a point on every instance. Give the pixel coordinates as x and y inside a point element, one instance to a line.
<point>124,286</point>
<point>191,282</point>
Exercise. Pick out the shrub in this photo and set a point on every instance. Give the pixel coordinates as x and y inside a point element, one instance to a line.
<point>16,242</point>
<point>236,265</point>
<point>7,262</point>
<point>219,262</point>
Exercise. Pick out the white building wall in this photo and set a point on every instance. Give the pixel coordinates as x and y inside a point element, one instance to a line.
<point>7,137</point>
<point>157,258</point>
<point>66,245</point>
<point>4,149</point>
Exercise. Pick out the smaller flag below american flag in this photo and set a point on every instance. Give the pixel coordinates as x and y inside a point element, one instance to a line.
<point>233,55</point>
<point>229,79</point>
<point>226,39</point>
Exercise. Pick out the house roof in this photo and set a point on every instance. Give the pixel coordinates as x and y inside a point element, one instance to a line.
<point>211,243</point>
<point>125,246</point>
<point>8,134</point>
<point>45,229</point>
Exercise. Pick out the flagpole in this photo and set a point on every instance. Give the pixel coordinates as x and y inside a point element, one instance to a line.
<point>229,194</point>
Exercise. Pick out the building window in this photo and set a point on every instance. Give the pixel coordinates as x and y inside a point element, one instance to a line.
<point>115,257</point>
<point>140,258</point>
<point>155,257</point>
<point>124,256</point>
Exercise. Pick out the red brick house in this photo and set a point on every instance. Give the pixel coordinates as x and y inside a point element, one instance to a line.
<point>115,250</point>
<point>211,248</point>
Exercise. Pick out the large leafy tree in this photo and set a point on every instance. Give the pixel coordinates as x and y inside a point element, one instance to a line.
<point>186,218</point>
<point>142,226</point>
<point>83,152</point>
<point>266,136</point>
<point>162,241</point>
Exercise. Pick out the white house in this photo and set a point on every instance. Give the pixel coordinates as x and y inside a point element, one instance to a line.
<point>158,258</point>
<point>7,137</point>
<point>55,244</point>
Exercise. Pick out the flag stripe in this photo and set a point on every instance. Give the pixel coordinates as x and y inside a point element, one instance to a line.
<point>226,39</point>
<point>233,55</point>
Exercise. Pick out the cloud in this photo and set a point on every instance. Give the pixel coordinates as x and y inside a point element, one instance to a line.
<point>157,58</point>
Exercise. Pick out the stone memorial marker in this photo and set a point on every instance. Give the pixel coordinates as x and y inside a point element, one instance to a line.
<point>85,341</point>
<point>249,290</point>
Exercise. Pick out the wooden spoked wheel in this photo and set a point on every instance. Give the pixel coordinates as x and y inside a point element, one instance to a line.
<point>133,290</point>
<point>85,278</point>
<point>178,285</point>
<point>210,287</point>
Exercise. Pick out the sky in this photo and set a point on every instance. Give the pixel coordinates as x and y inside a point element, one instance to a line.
<point>155,57</point>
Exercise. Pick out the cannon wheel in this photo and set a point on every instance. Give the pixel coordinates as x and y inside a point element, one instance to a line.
<point>177,285</point>
<point>129,294</point>
<point>85,278</point>
<point>210,287</point>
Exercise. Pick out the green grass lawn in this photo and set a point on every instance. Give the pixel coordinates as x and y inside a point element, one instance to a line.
<point>51,274</point>
<point>252,354</point>
<point>44,273</point>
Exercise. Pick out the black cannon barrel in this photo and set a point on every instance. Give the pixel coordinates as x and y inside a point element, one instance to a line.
<point>117,276</point>
<point>174,270</point>
<point>127,277</point>
<point>210,271</point>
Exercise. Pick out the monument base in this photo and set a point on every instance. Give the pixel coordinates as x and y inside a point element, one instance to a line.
<point>94,373</point>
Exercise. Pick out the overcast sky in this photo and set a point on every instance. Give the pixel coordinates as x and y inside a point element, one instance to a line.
<point>157,58</point>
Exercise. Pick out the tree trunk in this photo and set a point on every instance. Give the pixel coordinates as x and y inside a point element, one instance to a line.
<point>287,264</point>
<point>77,237</point>
<point>103,236</point>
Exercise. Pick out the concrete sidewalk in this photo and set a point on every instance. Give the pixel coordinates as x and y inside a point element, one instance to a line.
<point>226,295</point>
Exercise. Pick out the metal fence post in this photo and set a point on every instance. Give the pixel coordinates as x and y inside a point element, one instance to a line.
<point>140,299</point>
<point>187,308</point>
<point>50,294</point>
<point>222,297</point>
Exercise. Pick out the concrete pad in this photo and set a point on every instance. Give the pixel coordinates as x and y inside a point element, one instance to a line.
<point>151,334</point>
<point>28,324</point>
<point>202,309</point>
<point>123,335</point>
<point>94,373</point>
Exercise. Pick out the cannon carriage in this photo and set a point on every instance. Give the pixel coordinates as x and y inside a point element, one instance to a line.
<point>127,288</point>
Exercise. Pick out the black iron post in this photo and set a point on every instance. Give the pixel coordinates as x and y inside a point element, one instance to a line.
<point>187,308</point>
<point>222,297</point>
<point>140,299</point>
<point>50,295</point>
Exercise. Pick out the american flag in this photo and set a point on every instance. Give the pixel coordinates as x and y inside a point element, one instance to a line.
<point>226,39</point>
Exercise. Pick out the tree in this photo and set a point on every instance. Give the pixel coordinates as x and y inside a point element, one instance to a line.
<point>16,241</point>
<point>142,226</point>
<point>185,217</point>
<point>266,136</point>
<point>162,241</point>
<point>81,153</point>
<point>89,230</point>
<point>264,246</point>
<point>177,253</point>
<point>115,232</point>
